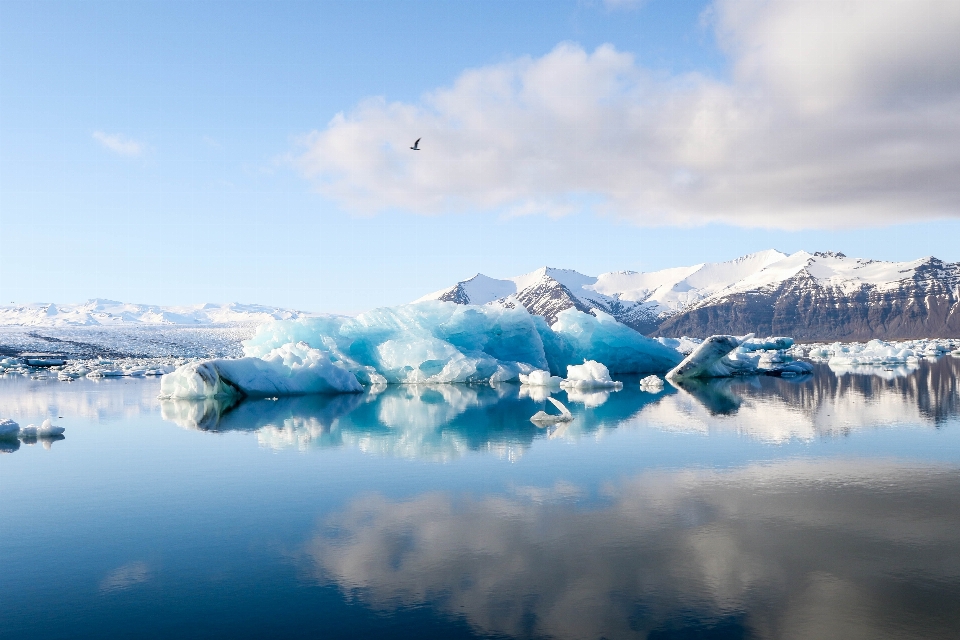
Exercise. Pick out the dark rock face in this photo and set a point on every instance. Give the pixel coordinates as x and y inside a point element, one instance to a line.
<point>925,304</point>
<point>922,301</point>
<point>548,297</point>
<point>456,294</point>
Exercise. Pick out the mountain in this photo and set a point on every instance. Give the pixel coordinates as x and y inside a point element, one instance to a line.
<point>111,313</point>
<point>809,296</point>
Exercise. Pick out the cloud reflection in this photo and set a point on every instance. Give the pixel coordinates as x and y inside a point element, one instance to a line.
<point>792,550</point>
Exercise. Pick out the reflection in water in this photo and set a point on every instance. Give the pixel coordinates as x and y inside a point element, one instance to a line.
<point>442,422</point>
<point>437,422</point>
<point>28,400</point>
<point>791,550</point>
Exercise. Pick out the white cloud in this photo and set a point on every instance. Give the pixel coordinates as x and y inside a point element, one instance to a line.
<point>838,114</point>
<point>119,144</point>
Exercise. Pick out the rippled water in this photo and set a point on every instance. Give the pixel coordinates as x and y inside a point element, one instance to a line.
<point>822,507</point>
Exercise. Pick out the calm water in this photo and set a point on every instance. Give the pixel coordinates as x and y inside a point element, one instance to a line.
<point>824,507</point>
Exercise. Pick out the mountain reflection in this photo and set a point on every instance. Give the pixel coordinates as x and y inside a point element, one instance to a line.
<point>792,550</point>
<point>443,422</point>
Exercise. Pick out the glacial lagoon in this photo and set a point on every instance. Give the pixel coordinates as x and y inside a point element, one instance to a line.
<point>822,506</point>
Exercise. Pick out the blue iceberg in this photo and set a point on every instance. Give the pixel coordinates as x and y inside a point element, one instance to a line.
<point>423,343</point>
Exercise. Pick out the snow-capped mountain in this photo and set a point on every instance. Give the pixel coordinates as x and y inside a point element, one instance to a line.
<point>112,313</point>
<point>818,296</point>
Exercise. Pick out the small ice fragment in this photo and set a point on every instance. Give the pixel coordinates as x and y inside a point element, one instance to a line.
<point>542,417</point>
<point>29,431</point>
<point>540,378</point>
<point>48,429</point>
<point>652,384</point>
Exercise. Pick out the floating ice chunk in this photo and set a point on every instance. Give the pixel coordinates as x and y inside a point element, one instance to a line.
<point>724,356</point>
<point>9,429</point>
<point>542,417</point>
<point>540,378</point>
<point>105,373</point>
<point>652,384</point>
<point>750,343</point>
<point>29,431</point>
<point>48,430</point>
<point>292,369</point>
<point>706,361</point>
<point>589,375</point>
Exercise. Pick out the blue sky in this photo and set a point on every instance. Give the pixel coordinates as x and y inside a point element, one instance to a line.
<point>182,152</point>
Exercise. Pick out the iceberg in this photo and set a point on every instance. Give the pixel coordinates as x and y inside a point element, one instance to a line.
<point>725,356</point>
<point>423,343</point>
<point>589,375</point>
<point>289,370</point>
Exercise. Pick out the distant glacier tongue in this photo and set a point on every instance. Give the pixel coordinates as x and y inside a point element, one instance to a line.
<point>435,342</point>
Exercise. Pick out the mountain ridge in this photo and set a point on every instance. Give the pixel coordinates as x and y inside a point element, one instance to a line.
<point>103,312</point>
<point>823,295</point>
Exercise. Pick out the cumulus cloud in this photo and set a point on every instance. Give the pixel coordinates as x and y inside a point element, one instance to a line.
<point>837,114</point>
<point>119,144</point>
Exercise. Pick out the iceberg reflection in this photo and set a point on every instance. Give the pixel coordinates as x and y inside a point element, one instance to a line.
<point>796,549</point>
<point>439,422</point>
<point>443,422</point>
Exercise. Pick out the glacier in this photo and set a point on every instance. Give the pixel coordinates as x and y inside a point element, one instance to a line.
<point>422,343</point>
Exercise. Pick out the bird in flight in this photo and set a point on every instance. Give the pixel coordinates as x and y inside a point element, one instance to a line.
<point>416,145</point>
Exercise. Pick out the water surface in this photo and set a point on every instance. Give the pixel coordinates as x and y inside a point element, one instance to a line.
<point>821,507</point>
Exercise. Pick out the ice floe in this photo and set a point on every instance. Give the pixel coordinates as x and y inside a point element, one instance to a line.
<point>881,351</point>
<point>11,434</point>
<point>46,430</point>
<point>540,378</point>
<point>542,417</point>
<point>652,384</point>
<point>726,356</point>
<point>589,375</point>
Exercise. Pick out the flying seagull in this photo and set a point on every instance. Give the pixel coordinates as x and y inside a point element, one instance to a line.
<point>416,145</point>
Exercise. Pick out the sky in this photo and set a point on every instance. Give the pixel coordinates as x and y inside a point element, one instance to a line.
<point>181,152</point>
